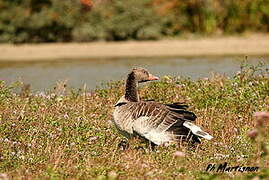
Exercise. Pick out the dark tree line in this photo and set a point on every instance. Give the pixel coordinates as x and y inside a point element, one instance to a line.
<point>85,20</point>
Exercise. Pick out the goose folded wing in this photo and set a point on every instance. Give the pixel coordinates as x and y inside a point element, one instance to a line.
<point>181,109</point>
<point>152,120</point>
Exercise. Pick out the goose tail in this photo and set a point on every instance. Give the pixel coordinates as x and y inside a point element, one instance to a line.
<point>197,130</point>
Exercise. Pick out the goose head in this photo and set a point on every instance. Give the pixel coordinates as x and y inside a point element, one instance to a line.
<point>137,75</point>
<point>142,75</point>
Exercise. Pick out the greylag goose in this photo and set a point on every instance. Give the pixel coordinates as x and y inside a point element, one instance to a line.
<point>156,122</point>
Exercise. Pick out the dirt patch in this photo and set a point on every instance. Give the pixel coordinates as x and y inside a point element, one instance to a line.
<point>222,46</point>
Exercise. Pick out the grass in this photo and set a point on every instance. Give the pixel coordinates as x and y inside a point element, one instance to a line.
<point>68,134</point>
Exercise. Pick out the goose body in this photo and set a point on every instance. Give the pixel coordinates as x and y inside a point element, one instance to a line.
<point>156,122</point>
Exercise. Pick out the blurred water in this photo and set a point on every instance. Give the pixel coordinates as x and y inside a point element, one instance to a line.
<point>44,75</point>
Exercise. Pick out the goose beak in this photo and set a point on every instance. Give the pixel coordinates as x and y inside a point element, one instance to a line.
<point>152,78</point>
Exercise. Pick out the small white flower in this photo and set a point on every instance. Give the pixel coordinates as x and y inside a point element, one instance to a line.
<point>179,154</point>
<point>22,157</point>
<point>3,176</point>
<point>6,140</point>
<point>235,84</point>
<point>66,116</point>
<point>14,143</point>
<point>93,138</point>
<point>42,94</point>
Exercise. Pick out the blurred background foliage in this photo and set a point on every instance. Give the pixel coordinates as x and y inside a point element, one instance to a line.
<point>35,21</point>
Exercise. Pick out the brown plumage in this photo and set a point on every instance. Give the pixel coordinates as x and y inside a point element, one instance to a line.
<point>159,123</point>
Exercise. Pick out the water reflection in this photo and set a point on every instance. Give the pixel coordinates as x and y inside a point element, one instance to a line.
<point>44,75</point>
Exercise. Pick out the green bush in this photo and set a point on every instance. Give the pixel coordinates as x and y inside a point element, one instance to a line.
<point>36,21</point>
<point>124,20</point>
<point>64,21</point>
<point>210,16</point>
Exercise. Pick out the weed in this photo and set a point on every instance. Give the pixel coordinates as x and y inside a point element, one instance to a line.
<point>67,133</point>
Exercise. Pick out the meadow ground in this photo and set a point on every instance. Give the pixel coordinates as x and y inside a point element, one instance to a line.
<point>68,133</point>
<point>249,44</point>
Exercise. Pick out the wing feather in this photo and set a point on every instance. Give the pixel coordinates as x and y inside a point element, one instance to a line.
<point>158,118</point>
<point>158,122</point>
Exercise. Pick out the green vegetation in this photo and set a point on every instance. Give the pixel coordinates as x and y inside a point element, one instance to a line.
<point>65,21</point>
<point>68,133</point>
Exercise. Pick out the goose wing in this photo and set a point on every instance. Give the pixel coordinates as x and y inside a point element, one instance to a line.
<point>152,120</point>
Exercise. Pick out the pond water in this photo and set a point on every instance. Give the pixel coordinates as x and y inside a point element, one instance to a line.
<point>44,75</point>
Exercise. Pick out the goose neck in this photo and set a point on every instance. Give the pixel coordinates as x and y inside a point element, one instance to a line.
<point>131,88</point>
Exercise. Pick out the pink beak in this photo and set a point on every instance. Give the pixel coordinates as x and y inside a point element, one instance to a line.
<point>152,78</point>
